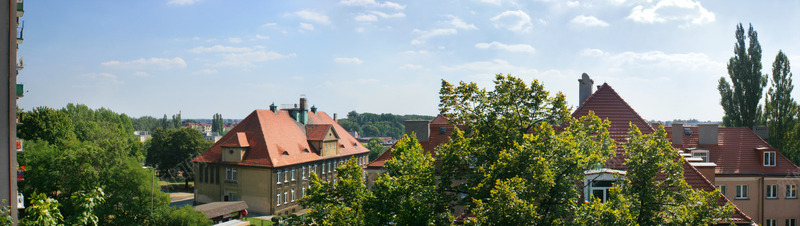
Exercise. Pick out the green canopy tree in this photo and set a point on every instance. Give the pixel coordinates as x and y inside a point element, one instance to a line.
<point>740,98</point>
<point>338,203</point>
<point>172,150</point>
<point>375,148</point>
<point>780,108</point>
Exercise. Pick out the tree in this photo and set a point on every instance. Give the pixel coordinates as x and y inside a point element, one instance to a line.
<point>185,215</point>
<point>176,121</point>
<point>341,202</point>
<point>165,122</point>
<point>375,148</point>
<point>172,150</point>
<point>407,193</point>
<point>47,124</point>
<point>510,144</point>
<point>741,100</point>
<point>780,108</point>
<point>217,124</point>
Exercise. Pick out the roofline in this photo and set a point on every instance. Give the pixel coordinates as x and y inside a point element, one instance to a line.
<point>620,98</point>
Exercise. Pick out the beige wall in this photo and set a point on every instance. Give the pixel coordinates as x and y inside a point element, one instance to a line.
<point>779,209</point>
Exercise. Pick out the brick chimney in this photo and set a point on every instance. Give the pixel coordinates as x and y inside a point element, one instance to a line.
<point>708,133</point>
<point>677,133</point>
<point>420,127</point>
<point>762,131</point>
<point>585,87</point>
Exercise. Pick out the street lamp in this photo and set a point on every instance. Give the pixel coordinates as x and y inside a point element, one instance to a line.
<point>152,187</point>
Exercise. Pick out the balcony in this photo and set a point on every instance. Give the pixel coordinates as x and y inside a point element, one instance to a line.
<point>20,91</point>
<point>20,11</point>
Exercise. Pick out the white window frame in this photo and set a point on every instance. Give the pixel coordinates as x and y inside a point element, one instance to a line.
<point>791,222</point>
<point>292,195</point>
<point>772,191</point>
<point>285,197</point>
<point>304,191</point>
<point>278,199</point>
<point>791,191</point>
<point>292,174</point>
<point>741,191</point>
<point>722,188</point>
<point>278,176</point>
<point>329,166</point>
<point>286,176</point>
<point>234,174</point>
<point>771,222</point>
<point>227,173</point>
<point>304,172</point>
<point>705,157</point>
<point>769,158</point>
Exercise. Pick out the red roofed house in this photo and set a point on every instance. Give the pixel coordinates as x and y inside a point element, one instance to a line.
<point>267,159</point>
<point>758,179</point>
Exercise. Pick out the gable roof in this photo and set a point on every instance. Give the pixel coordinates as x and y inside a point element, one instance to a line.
<point>736,154</point>
<point>271,134</point>
<point>239,140</point>
<point>317,132</point>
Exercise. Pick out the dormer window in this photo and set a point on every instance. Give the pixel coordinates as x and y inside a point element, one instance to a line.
<point>703,154</point>
<point>769,158</point>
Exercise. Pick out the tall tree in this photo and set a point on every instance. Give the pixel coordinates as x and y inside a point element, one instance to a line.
<point>342,202</point>
<point>741,100</point>
<point>172,150</point>
<point>780,107</point>
<point>375,148</point>
<point>165,124</point>
<point>176,121</point>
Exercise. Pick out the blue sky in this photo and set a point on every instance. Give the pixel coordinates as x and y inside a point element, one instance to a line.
<point>202,57</point>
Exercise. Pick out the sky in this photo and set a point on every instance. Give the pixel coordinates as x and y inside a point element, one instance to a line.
<point>201,57</point>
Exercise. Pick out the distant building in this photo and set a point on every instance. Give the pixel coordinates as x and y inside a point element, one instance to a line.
<point>202,127</point>
<point>211,136</point>
<point>267,159</point>
<point>142,135</point>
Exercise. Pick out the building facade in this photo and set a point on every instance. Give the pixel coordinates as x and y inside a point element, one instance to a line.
<point>268,158</point>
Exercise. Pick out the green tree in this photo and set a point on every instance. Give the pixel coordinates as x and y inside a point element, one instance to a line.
<point>780,108</point>
<point>47,124</point>
<point>511,135</point>
<point>176,121</point>
<point>654,191</point>
<point>145,123</point>
<point>173,149</point>
<point>186,215</point>
<point>741,100</point>
<point>165,122</point>
<point>407,193</point>
<point>42,211</point>
<point>375,148</point>
<point>217,124</point>
<point>341,202</point>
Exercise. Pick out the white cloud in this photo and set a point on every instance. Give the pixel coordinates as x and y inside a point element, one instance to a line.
<point>513,21</point>
<point>416,52</point>
<point>366,18</point>
<point>411,66</point>
<point>205,72</point>
<point>219,49</point>
<point>141,74</point>
<point>313,16</point>
<point>306,26</point>
<point>373,3</point>
<point>270,24</point>
<point>589,21</point>
<point>511,48</point>
<point>460,24</point>
<point>152,63</point>
<point>592,52</point>
<point>493,2</point>
<point>182,2</point>
<point>103,77</point>
<point>235,40</point>
<point>689,11</point>
<point>676,61</point>
<point>346,60</point>
<point>424,35</point>
<point>262,37</point>
<point>386,15</point>
<point>247,59</point>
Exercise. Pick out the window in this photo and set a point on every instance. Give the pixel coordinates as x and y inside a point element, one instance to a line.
<point>741,192</point>
<point>771,222</point>
<point>769,158</point>
<point>230,174</point>
<point>721,189</point>
<point>304,172</point>
<point>233,172</point>
<point>329,166</point>
<point>323,168</point>
<point>285,197</point>
<point>278,199</point>
<point>292,174</point>
<point>304,191</point>
<point>442,130</point>
<point>791,222</point>
<point>772,191</point>
<point>278,175</point>
<point>600,189</point>
<point>286,176</point>
<point>791,191</point>
<point>335,164</point>
<point>700,154</point>
<point>213,172</point>
<point>292,195</point>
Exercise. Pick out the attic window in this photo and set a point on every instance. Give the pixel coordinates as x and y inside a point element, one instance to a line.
<point>230,152</point>
<point>285,153</point>
<point>341,145</point>
<point>687,131</point>
<point>442,130</point>
<point>305,150</point>
<point>355,144</point>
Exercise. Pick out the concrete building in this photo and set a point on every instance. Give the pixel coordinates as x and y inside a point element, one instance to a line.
<point>267,159</point>
<point>11,91</point>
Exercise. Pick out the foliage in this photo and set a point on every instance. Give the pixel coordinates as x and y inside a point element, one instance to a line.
<point>85,203</point>
<point>378,125</point>
<point>186,215</point>
<point>341,203</point>
<point>780,108</point>
<point>217,124</point>
<point>407,193</point>
<point>42,211</point>
<point>375,148</point>
<point>654,191</point>
<point>172,149</point>
<point>47,124</point>
<point>146,123</point>
<point>740,101</point>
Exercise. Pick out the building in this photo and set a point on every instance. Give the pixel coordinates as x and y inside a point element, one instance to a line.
<point>11,91</point>
<point>267,159</point>
<point>202,127</point>
<point>141,135</point>
<point>211,136</point>
<point>745,168</point>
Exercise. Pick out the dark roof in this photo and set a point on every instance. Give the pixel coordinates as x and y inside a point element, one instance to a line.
<point>271,134</point>
<point>736,152</point>
<point>217,209</point>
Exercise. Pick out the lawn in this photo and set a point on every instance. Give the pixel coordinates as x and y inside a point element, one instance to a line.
<point>258,222</point>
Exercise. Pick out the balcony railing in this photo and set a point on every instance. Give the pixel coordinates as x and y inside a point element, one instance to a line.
<point>20,90</point>
<point>20,9</point>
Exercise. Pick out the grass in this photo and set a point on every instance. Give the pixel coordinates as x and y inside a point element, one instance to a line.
<point>257,222</point>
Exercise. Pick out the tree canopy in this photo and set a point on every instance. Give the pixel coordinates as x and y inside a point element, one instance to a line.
<point>741,97</point>
<point>378,125</point>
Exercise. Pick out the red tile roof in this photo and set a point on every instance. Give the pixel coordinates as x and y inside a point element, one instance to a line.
<point>736,152</point>
<point>239,140</point>
<point>317,132</point>
<point>429,146</point>
<point>696,179</point>
<point>271,134</point>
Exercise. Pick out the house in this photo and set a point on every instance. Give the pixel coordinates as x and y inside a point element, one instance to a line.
<point>267,159</point>
<point>745,168</point>
<point>202,127</point>
<point>211,136</point>
<point>142,135</point>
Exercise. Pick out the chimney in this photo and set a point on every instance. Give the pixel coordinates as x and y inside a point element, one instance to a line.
<point>677,133</point>
<point>708,133</point>
<point>420,127</point>
<point>302,102</point>
<point>585,87</point>
<point>314,109</point>
<point>762,131</point>
<point>334,117</point>
<point>273,108</point>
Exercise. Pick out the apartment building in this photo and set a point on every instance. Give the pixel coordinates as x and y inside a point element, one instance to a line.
<point>267,159</point>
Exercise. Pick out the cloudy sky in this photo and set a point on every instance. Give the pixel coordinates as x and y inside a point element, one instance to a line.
<point>202,57</point>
